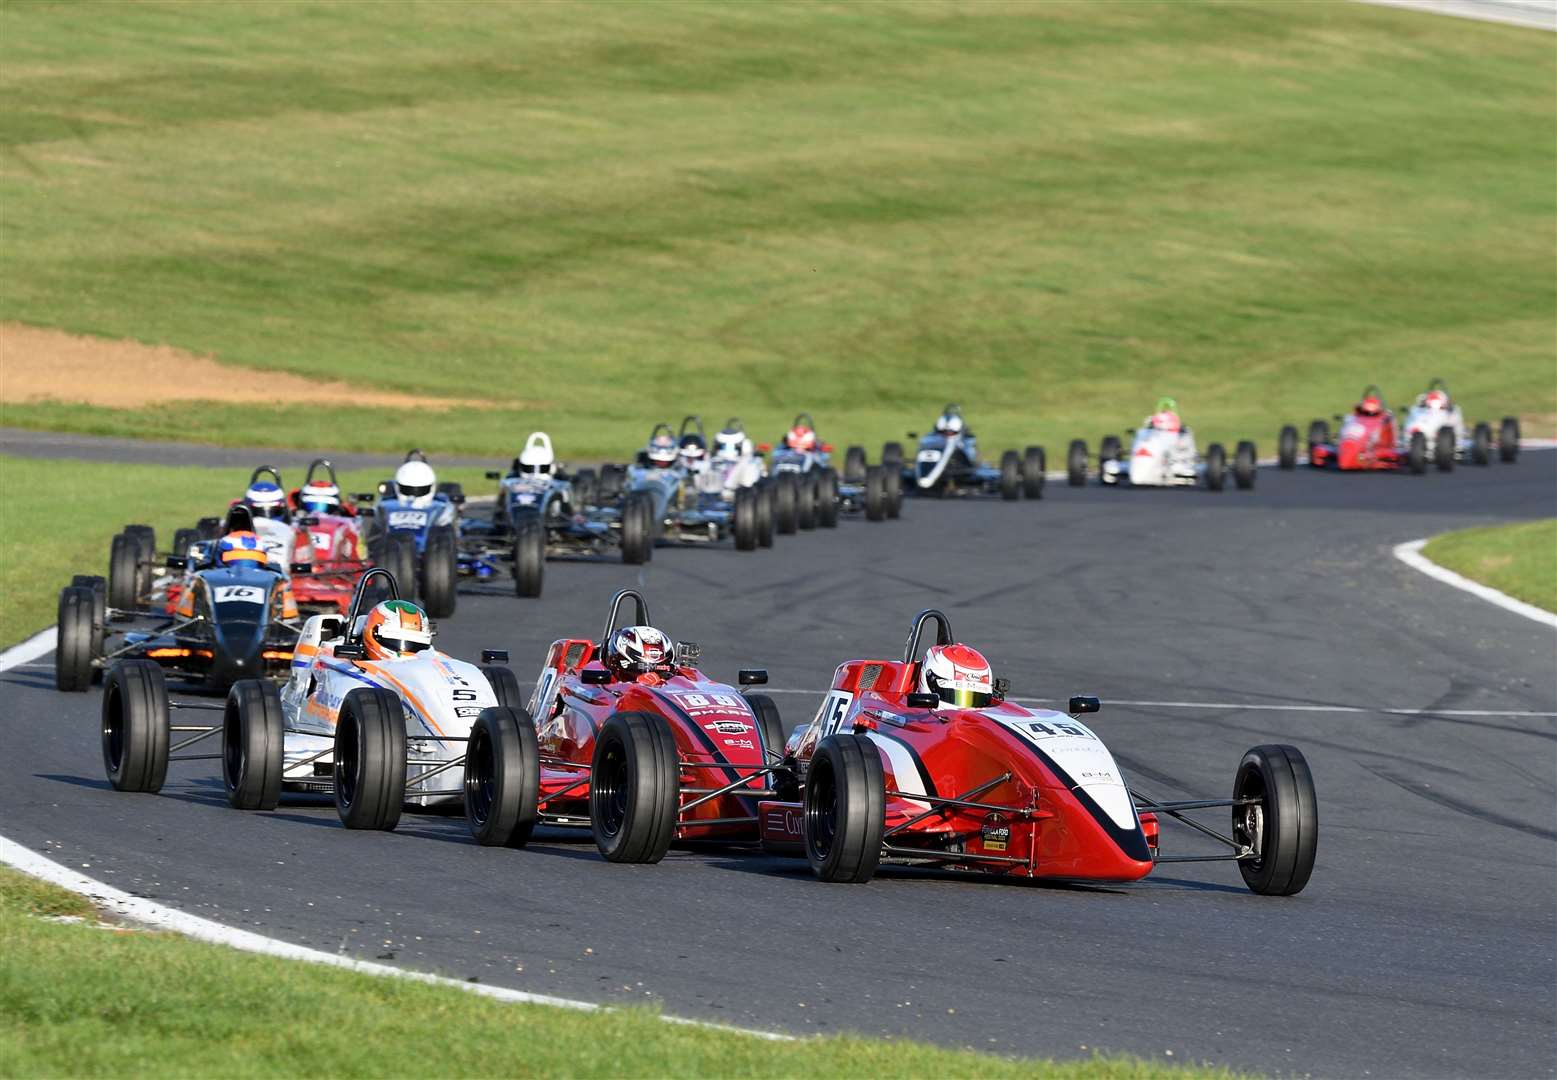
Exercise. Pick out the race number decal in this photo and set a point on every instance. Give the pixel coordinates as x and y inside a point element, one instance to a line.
<point>834,709</point>
<point>238,594</point>
<point>407,519</point>
<point>321,541</point>
<point>1052,729</point>
<point>700,701</point>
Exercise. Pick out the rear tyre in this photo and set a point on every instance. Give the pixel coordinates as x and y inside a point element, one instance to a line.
<point>1076,463</point>
<point>75,638</point>
<point>440,571</point>
<point>1318,435</point>
<point>636,541</point>
<point>502,778</point>
<point>1481,444</point>
<point>744,519</point>
<point>875,493</point>
<point>805,514</point>
<point>182,539</point>
<point>529,554</point>
<point>827,499</point>
<point>146,559</point>
<point>892,455</point>
<point>894,479</point>
<point>854,465</point>
<point>1416,453</point>
<point>1034,467</point>
<point>764,514</point>
<point>1216,467</point>
<point>1282,828</point>
<point>634,788</point>
<point>99,587</point>
<point>1110,449</point>
<point>1443,449</point>
<point>505,687</point>
<point>1286,448</point>
<point>1245,458</point>
<point>1010,476</point>
<point>135,726</point>
<point>123,580</point>
<point>786,502</point>
<point>770,725</point>
<point>253,738</point>
<point>1508,439</point>
<point>370,760</point>
<point>844,809</point>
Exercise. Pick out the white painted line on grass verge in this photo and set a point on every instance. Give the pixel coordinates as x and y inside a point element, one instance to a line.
<point>1410,553</point>
<point>149,913</point>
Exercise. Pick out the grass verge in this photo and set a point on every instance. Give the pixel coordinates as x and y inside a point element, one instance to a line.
<point>78,1001</point>
<point>60,516</point>
<point>601,216</point>
<point>1520,560</point>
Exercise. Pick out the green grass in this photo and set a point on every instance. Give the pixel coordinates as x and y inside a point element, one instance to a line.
<point>61,515</point>
<point>602,215</point>
<point>78,1001</point>
<point>1520,560</point>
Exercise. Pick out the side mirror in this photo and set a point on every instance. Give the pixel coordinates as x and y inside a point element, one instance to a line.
<point>913,434</point>
<point>352,651</point>
<point>753,677</point>
<point>1080,703</point>
<point>923,701</point>
<point>827,448</point>
<point>688,653</point>
<point>594,676</point>
<point>177,562</point>
<point>363,497</point>
<point>457,499</point>
<point>493,474</point>
<point>1002,688</point>
<point>763,447</point>
<point>494,656</point>
<point>302,568</point>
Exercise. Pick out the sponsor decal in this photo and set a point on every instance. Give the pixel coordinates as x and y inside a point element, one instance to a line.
<point>701,702</point>
<point>238,594</point>
<point>741,744</point>
<point>467,712</point>
<point>728,727</point>
<point>995,832</point>
<point>407,519</point>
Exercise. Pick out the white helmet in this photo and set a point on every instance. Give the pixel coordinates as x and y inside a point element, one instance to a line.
<point>730,444</point>
<point>416,482</point>
<point>958,675</point>
<point>265,499</point>
<point>638,650</point>
<point>950,423</point>
<point>537,459</point>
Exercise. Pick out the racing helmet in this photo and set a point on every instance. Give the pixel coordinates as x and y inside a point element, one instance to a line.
<point>395,630</point>
<point>800,437</point>
<point>730,444</point>
<point>958,675</point>
<point>1370,405</point>
<point>694,451</point>
<point>662,450</point>
<point>416,481</point>
<point>265,499</point>
<point>1436,398</point>
<point>536,459</point>
<point>320,497</point>
<point>241,547</point>
<point>1166,417</point>
<point>638,650</point>
<point>949,423</point>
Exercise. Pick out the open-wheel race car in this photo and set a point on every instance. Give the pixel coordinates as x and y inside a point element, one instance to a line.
<point>625,736</point>
<point>947,463</point>
<point>414,532</point>
<point>811,491</point>
<point>923,762</point>
<point>372,714</point>
<point>1433,430</point>
<point>1162,453</point>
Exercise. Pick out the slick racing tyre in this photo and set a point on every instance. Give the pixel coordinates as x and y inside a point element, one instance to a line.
<point>1110,449</point>
<point>1245,459</point>
<point>1035,465</point>
<point>1318,435</point>
<point>123,572</point>
<point>502,778</point>
<point>1481,444</point>
<point>440,571</point>
<point>764,514</point>
<point>894,478</point>
<point>505,687</point>
<point>1508,439</point>
<point>209,528</point>
<point>771,727</point>
<point>854,465</point>
<point>634,788</point>
<point>529,553</point>
<point>146,561</point>
<point>1280,824</point>
<point>1416,453</point>
<point>786,502</point>
<point>1216,467</point>
<point>1076,463</point>
<point>252,742</point>
<point>805,513</point>
<point>844,809</point>
<point>400,560</point>
<point>135,726</point>
<point>1286,448</point>
<point>743,518</point>
<point>827,498</point>
<point>99,587</point>
<point>637,537</point>
<point>370,755</point>
<point>892,455</point>
<point>75,638</point>
<point>1444,449</point>
<point>875,493</point>
<point>183,539</point>
<point>1010,476</point>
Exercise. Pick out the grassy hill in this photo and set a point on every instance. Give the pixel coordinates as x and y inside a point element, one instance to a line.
<point>598,216</point>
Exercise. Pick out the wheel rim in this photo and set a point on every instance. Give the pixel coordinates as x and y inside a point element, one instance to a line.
<point>1249,821</point>
<point>232,754</point>
<point>609,783</point>
<point>347,764</point>
<point>113,732</point>
<point>479,770</point>
<point>822,813</point>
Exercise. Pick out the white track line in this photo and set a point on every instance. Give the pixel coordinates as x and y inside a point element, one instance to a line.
<point>1531,14</point>
<point>149,913</point>
<point>1410,553</point>
<point>40,644</point>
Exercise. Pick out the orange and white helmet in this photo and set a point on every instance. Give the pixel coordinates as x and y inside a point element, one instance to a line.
<point>395,630</point>
<point>638,650</point>
<point>958,675</point>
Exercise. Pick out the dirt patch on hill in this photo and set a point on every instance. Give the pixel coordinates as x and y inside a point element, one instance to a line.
<point>51,365</point>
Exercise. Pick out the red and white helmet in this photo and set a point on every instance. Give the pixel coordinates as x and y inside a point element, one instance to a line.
<point>958,675</point>
<point>638,650</point>
<point>1436,399</point>
<point>662,450</point>
<point>800,437</point>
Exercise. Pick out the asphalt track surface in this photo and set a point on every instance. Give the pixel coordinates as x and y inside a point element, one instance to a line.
<point>1424,944</point>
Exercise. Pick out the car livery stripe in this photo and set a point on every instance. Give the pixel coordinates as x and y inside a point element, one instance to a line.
<point>303,655</point>
<point>416,703</point>
<point>908,771</point>
<point>732,772</point>
<point>362,677</point>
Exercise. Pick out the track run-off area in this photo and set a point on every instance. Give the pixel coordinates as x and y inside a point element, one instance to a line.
<point>1207,623</point>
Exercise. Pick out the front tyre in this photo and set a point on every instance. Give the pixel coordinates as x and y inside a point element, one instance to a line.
<point>1245,459</point>
<point>75,638</point>
<point>529,554</point>
<point>370,760</point>
<point>845,809</point>
<point>1286,448</point>
<point>1416,453</point>
<point>502,778</point>
<point>1280,824</point>
<point>827,499</point>
<point>786,503</point>
<point>1076,463</point>
<point>1481,444</point>
<point>764,514</point>
<point>1443,449</point>
<point>744,519</point>
<point>1508,439</point>
<point>1035,465</point>
<point>1216,467</point>
<point>253,738</point>
<point>440,571</point>
<point>634,788</point>
<point>875,493</point>
<point>1010,476</point>
<point>135,726</point>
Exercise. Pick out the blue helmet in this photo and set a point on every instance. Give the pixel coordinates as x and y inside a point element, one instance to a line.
<point>265,499</point>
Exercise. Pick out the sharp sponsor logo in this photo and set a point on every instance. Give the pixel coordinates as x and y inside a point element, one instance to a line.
<point>728,727</point>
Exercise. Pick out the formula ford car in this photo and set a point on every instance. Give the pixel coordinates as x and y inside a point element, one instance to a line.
<point>947,463</point>
<point>820,492</point>
<point>1370,440</point>
<point>624,735</point>
<point>378,733</point>
<point>415,532</point>
<point>892,774</point>
<point>1162,454</point>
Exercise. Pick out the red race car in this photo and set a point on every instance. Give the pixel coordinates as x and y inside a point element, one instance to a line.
<point>1369,439</point>
<point>627,738</point>
<point>924,762</point>
<point>329,542</point>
